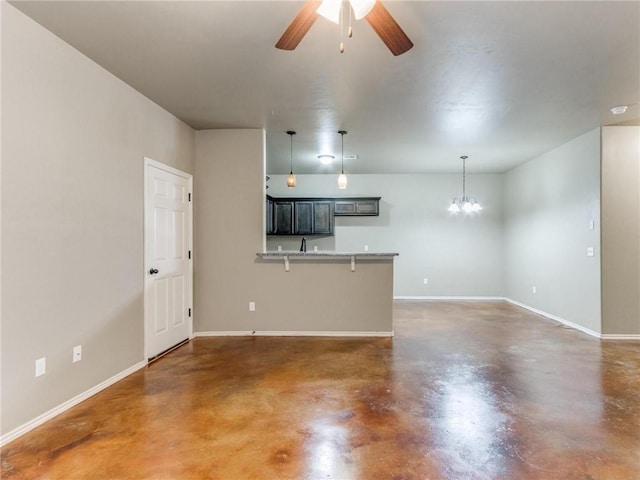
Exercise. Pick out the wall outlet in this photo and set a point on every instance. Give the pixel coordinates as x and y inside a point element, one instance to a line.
<point>77,353</point>
<point>279,248</point>
<point>252,306</point>
<point>534,289</point>
<point>41,366</point>
<point>366,248</point>
<point>426,281</point>
<point>315,248</point>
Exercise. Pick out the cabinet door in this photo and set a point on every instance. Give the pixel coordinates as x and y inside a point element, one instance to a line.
<point>269,216</point>
<point>282,218</point>
<point>356,207</point>
<point>345,207</point>
<point>323,217</point>
<point>367,207</point>
<point>303,218</point>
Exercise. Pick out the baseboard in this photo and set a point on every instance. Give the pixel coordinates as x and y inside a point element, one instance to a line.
<point>36,422</point>
<point>301,333</point>
<point>581,328</point>
<point>620,336</point>
<point>490,299</point>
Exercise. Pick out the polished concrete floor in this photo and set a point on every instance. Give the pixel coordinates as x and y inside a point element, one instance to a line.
<point>465,390</point>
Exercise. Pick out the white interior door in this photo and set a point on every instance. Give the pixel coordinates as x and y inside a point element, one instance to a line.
<point>168,246</point>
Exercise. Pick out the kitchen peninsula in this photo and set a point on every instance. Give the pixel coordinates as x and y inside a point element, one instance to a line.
<point>336,293</point>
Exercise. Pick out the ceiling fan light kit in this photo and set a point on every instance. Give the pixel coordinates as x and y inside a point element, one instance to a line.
<point>373,11</point>
<point>465,203</point>
<point>330,9</point>
<point>291,178</point>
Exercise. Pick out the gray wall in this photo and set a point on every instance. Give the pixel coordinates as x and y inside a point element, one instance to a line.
<point>229,214</point>
<point>228,207</point>
<point>73,142</point>
<point>621,230</point>
<point>549,203</point>
<point>459,255</point>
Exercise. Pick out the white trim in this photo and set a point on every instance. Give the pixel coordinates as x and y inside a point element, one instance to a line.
<point>63,407</point>
<point>583,329</point>
<point>166,168</point>
<point>301,333</point>
<point>403,297</point>
<point>620,336</point>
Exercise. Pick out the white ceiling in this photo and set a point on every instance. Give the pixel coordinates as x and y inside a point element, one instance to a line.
<point>500,82</point>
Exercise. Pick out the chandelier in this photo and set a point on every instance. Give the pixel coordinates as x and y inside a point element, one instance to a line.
<point>465,203</point>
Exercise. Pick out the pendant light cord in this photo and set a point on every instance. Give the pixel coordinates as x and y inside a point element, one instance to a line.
<point>342,132</point>
<point>291,134</point>
<point>464,176</point>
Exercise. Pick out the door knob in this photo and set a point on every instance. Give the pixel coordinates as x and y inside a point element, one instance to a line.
<point>153,271</point>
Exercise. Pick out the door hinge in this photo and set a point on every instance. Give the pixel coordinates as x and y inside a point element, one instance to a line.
<point>189,312</point>
<point>189,196</point>
<point>189,254</point>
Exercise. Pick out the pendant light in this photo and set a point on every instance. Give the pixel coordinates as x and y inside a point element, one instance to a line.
<point>465,204</point>
<point>291,178</point>
<point>342,178</point>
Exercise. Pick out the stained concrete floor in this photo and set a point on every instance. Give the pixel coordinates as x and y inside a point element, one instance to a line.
<point>465,390</point>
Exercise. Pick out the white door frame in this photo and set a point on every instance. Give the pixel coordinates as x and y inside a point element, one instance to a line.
<point>147,226</point>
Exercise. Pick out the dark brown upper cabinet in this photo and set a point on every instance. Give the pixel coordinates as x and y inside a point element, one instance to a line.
<point>314,216</point>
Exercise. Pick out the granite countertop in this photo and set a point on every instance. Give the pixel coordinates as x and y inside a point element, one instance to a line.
<point>295,253</point>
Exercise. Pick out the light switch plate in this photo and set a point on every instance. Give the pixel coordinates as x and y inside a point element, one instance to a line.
<point>41,366</point>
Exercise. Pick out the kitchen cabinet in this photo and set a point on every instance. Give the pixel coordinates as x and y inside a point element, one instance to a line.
<point>282,217</point>
<point>303,217</point>
<point>269,215</point>
<point>314,216</point>
<point>357,207</point>
<point>323,217</point>
<point>299,217</point>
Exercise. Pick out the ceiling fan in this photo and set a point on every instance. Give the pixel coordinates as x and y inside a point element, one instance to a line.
<point>372,11</point>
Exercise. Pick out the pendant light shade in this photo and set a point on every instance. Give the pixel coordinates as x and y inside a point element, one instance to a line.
<point>342,181</point>
<point>291,178</point>
<point>342,178</point>
<point>330,9</point>
<point>465,203</point>
<point>362,7</point>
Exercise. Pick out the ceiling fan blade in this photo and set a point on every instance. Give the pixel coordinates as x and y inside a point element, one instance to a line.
<point>388,29</point>
<point>301,24</point>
